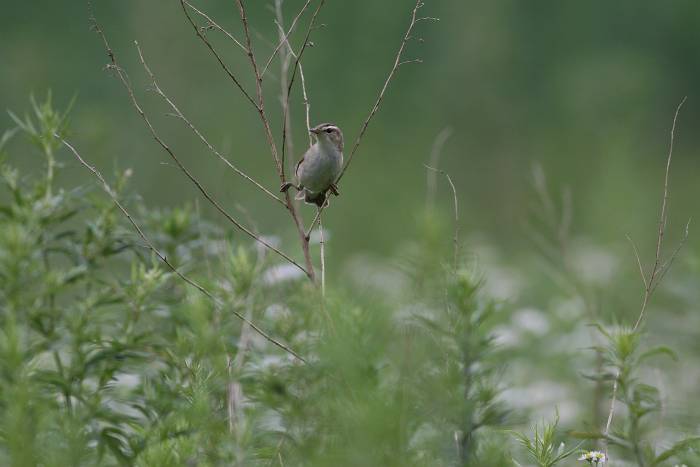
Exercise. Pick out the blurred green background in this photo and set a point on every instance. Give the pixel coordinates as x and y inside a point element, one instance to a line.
<point>586,89</point>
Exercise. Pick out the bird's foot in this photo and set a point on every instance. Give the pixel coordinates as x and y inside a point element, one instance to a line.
<point>286,186</point>
<point>334,189</point>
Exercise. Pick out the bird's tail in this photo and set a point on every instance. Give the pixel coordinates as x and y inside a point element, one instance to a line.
<point>319,199</point>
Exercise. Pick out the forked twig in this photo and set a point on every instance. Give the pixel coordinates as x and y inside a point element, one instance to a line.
<point>124,79</point>
<point>164,259</point>
<point>297,65</point>
<point>291,207</point>
<point>658,269</point>
<point>397,63</point>
<point>380,97</point>
<point>456,212</point>
<point>435,153</point>
<point>216,26</point>
<point>211,48</point>
<point>285,36</point>
<point>181,116</point>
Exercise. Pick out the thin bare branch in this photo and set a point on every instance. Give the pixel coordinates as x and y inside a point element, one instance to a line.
<point>663,217</point>
<point>291,207</point>
<point>314,221</point>
<point>435,154</point>
<point>178,114</point>
<point>659,267</point>
<point>297,64</point>
<point>667,264</point>
<point>285,61</point>
<point>213,24</point>
<point>164,259</point>
<point>639,262</point>
<point>456,212</point>
<point>124,79</point>
<point>211,48</point>
<point>380,97</point>
<point>259,91</point>
<point>291,53</point>
<point>322,244</point>
<point>608,423</point>
<point>285,37</point>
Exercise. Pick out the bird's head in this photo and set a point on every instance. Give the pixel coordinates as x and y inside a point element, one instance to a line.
<point>328,133</point>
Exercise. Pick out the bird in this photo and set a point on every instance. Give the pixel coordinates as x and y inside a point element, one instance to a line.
<point>318,170</point>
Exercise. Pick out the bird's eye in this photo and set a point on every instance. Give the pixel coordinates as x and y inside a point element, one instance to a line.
<point>329,130</point>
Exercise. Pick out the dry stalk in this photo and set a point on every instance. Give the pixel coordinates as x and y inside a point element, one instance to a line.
<point>455,238</point>
<point>181,116</point>
<point>149,244</point>
<point>213,24</point>
<point>202,36</point>
<point>125,81</point>
<point>397,64</point>
<point>658,269</point>
<point>285,36</point>
<point>435,154</point>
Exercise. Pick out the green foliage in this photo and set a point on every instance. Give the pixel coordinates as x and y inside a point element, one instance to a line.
<point>108,358</point>
<point>543,448</point>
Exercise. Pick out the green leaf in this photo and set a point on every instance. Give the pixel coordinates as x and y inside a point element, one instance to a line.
<point>659,350</point>
<point>679,447</point>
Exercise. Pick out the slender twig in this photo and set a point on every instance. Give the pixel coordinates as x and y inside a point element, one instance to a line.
<point>435,154</point>
<point>125,81</point>
<point>285,61</point>
<point>213,24</point>
<point>181,116</point>
<point>322,244</point>
<point>284,38</point>
<point>291,207</point>
<point>652,280</point>
<point>297,64</point>
<point>259,91</point>
<point>380,97</point>
<point>639,261</point>
<point>608,423</point>
<point>290,52</point>
<point>658,269</point>
<point>456,212</point>
<point>211,48</point>
<point>108,189</point>
<point>397,63</point>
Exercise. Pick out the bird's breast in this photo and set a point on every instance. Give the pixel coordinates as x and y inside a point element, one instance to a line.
<point>320,168</point>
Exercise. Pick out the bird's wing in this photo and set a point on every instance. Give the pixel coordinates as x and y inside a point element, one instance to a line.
<point>301,161</point>
<point>296,169</point>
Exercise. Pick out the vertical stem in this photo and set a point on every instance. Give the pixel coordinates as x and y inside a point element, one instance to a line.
<point>323,258</point>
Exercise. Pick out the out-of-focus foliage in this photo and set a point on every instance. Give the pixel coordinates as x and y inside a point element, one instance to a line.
<point>108,358</point>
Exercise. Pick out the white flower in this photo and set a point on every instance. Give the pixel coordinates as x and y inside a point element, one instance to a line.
<point>593,457</point>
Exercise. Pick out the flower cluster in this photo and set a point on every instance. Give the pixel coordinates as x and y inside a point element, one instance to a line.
<point>593,457</point>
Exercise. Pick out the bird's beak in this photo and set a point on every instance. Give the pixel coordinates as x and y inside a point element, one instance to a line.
<point>315,130</point>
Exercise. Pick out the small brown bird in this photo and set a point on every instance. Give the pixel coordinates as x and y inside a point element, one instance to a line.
<point>320,167</point>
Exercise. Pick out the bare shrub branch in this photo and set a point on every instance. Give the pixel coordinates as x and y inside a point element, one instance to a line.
<point>658,269</point>
<point>456,212</point>
<point>125,81</point>
<point>214,25</point>
<point>211,48</point>
<point>397,64</point>
<point>284,38</point>
<point>297,65</point>
<point>181,116</point>
<point>435,154</point>
<point>164,259</point>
